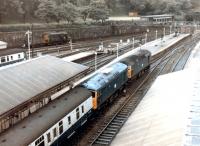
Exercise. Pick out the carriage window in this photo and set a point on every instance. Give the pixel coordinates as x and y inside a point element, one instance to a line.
<point>54,132</point>
<point>60,127</point>
<point>40,141</point>
<point>11,57</point>
<point>19,56</point>
<point>3,59</point>
<point>48,138</point>
<point>7,58</point>
<point>69,120</point>
<point>82,107</point>
<point>77,113</point>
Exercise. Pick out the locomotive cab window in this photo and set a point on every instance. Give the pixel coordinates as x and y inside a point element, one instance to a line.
<point>93,94</point>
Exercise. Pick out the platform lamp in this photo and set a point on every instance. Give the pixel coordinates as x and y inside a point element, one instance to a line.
<point>117,50</point>
<point>29,35</point>
<point>133,42</point>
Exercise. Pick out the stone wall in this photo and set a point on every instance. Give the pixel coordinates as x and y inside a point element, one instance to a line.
<point>17,38</point>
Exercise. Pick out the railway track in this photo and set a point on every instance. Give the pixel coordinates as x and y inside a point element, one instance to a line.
<point>106,125</point>
<point>65,50</point>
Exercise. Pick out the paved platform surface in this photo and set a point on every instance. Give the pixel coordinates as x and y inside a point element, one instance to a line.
<point>169,114</point>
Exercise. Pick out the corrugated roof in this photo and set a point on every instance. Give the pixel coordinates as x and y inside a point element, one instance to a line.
<point>161,117</point>
<point>22,81</point>
<point>102,78</point>
<point>39,122</point>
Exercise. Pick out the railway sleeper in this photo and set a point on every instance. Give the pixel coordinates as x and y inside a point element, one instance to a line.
<point>104,139</point>
<point>111,129</point>
<point>109,132</point>
<point>119,122</point>
<point>101,142</point>
<point>120,118</point>
<point>114,126</point>
<point>108,135</point>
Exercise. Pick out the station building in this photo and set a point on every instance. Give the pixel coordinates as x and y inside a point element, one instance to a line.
<point>159,19</point>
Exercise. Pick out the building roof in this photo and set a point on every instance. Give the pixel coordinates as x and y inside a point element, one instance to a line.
<point>158,16</point>
<point>102,78</point>
<point>160,118</point>
<point>39,122</point>
<point>22,81</point>
<point>5,52</point>
<point>3,45</point>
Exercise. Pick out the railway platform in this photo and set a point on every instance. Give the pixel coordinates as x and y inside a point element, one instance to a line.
<point>155,47</point>
<point>29,85</point>
<point>169,112</point>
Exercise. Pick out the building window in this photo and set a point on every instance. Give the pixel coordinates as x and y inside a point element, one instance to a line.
<point>77,114</point>
<point>60,127</point>
<point>82,107</point>
<point>48,138</point>
<point>54,132</point>
<point>69,120</point>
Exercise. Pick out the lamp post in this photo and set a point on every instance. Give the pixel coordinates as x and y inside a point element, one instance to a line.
<point>133,42</point>
<point>117,50</point>
<point>156,34</point>
<point>163,32</point>
<point>170,29</point>
<point>70,43</point>
<point>29,33</point>
<point>95,60</point>
<point>146,35</point>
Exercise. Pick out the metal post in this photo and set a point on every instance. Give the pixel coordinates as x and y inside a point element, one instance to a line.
<point>163,32</point>
<point>95,60</point>
<point>156,34</point>
<point>146,38</point>
<point>117,50</point>
<point>70,44</point>
<point>170,29</point>
<point>133,42</point>
<point>28,33</point>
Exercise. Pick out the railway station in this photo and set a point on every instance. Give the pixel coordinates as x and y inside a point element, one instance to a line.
<point>99,73</point>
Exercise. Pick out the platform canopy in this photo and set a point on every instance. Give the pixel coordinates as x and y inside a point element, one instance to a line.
<point>22,81</point>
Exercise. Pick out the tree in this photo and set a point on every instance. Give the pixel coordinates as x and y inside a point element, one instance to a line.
<point>68,12</point>
<point>99,10</point>
<point>47,11</point>
<point>84,12</point>
<point>13,7</point>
